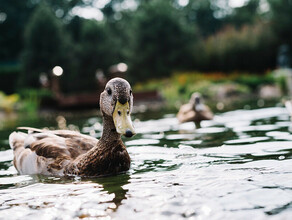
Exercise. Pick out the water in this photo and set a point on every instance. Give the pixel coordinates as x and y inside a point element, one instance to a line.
<point>237,166</point>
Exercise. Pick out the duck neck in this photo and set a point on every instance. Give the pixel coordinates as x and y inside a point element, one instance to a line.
<point>109,132</point>
<point>109,156</point>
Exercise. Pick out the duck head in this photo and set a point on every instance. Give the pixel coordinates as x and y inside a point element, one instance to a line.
<point>116,101</point>
<point>197,102</point>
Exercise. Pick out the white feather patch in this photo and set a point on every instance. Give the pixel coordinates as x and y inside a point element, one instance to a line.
<point>29,162</point>
<point>16,136</point>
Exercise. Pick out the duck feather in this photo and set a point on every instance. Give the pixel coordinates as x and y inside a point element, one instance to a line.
<point>62,152</point>
<point>45,151</point>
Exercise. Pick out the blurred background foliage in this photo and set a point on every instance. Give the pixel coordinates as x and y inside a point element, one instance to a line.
<point>155,38</point>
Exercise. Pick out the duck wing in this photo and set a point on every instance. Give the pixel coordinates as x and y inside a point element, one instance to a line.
<point>186,113</point>
<point>47,152</point>
<point>205,114</point>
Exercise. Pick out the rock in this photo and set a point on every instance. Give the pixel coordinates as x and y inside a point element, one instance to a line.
<point>269,91</point>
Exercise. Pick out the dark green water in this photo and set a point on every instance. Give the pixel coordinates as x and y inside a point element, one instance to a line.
<point>237,166</point>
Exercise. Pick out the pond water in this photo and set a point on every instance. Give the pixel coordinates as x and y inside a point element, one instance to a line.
<point>237,166</point>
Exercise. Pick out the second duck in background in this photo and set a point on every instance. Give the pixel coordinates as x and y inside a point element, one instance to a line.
<point>194,111</point>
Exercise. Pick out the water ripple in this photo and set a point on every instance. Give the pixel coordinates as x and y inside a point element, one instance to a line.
<point>237,166</point>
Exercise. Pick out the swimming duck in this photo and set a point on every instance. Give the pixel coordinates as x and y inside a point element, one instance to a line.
<point>194,111</point>
<point>63,152</point>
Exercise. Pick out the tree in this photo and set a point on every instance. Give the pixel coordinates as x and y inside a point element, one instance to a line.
<point>14,15</point>
<point>201,13</point>
<point>250,48</point>
<point>282,19</point>
<point>94,51</point>
<point>162,42</point>
<point>247,14</point>
<point>62,8</point>
<point>45,44</point>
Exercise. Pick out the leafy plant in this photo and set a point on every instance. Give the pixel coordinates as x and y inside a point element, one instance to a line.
<point>8,102</point>
<point>31,99</point>
<point>213,86</point>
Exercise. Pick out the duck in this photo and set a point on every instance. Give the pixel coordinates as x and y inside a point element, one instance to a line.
<point>195,110</point>
<point>70,153</point>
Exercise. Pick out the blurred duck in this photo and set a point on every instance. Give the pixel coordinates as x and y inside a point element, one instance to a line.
<point>288,105</point>
<point>62,152</point>
<point>194,111</point>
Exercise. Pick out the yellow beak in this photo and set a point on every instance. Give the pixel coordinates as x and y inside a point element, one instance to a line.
<point>122,119</point>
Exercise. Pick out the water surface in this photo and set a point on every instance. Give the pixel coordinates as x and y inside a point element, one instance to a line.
<point>237,166</point>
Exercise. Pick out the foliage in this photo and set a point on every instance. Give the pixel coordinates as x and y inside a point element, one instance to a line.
<point>8,102</point>
<point>245,15</point>
<point>16,15</point>
<point>155,38</point>
<point>253,81</point>
<point>26,100</point>
<point>63,8</point>
<point>94,48</point>
<point>252,48</point>
<point>162,42</point>
<point>178,88</point>
<point>8,77</point>
<point>200,13</point>
<point>282,19</point>
<point>30,99</point>
<point>45,45</point>
<point>93,53</point>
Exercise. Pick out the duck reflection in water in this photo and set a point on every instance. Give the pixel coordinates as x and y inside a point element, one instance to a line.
<point>195,111</point>
<point>114,185</point>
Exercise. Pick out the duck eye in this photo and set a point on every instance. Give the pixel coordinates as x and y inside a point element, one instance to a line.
<point>130,92</point>
<point>119,112</point>
<point>109,91</point>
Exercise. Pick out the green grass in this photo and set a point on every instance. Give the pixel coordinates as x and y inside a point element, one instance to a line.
<point>31,99</point>
<point>26,101</point>
<point>178,88</point>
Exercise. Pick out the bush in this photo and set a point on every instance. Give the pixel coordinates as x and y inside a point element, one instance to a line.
<point>251,48</point>
<point>215,87</point>
<point>254,81</point>
<point>31,99</point>
<point>8,102</point>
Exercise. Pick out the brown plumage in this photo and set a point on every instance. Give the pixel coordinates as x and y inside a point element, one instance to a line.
<point>62,152</point>
<point>194,111</point>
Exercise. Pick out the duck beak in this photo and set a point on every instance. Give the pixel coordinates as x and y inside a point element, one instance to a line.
<point>122,119</point>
